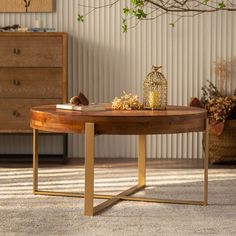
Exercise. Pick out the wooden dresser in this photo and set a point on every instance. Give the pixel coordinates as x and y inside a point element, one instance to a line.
<point>33,71</point>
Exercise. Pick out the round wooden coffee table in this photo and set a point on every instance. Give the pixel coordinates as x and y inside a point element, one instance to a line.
<point>176,119</point>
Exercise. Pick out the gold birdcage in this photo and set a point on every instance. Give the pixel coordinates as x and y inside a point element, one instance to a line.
<point>155,90</point>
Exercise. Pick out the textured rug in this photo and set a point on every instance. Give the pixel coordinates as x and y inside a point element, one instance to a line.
<point>22,213</point>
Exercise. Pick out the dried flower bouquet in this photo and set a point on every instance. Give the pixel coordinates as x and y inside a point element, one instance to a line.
<point>219,107</point>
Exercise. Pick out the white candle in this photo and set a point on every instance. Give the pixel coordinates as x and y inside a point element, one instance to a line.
<point>38,23</point>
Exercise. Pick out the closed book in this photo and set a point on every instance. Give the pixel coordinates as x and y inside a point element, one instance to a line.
<point>90,107</point>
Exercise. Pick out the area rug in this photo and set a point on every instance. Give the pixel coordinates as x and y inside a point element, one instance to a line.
<point>22,213</point>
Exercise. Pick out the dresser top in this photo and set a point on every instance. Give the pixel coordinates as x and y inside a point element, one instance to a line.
<point>36,34</point>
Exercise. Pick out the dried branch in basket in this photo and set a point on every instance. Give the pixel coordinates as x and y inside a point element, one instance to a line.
<point>219,107</point>
<point>210,92</point>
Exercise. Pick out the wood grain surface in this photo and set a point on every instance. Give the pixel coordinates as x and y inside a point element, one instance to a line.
<point>31,82</point>
<point>15,113</point>
<point>33,51</point>
<point>176,119</point>
<point>19,6</point>
<point>35,75</point>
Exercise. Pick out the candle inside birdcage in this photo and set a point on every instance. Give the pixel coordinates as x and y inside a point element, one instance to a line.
<point>155,90</point>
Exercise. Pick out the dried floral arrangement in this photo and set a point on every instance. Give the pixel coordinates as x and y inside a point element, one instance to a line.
<point>128,102</point>
<point>219,107</point>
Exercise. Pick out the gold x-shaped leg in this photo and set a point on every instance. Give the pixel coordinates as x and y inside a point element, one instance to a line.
<point>89,209</point>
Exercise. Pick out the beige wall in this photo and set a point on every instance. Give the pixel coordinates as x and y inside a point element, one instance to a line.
<point>103,62</point>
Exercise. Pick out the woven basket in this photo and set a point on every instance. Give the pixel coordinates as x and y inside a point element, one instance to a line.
<point>222,149</point>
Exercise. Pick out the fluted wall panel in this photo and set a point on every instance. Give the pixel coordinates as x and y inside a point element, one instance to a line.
<point>103,62</point>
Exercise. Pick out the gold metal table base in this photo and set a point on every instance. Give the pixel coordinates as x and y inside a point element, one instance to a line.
<point>89,209</point>
<point>113,199</point>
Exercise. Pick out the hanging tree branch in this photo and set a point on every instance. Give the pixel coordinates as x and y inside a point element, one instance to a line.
<point>144,9</point>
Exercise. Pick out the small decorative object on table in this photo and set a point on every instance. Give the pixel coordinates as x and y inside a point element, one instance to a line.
<point>155,90</point>
<point>81,103</point>
<point>127,102</point>
<point>81,99</point>
<point>222,113</point>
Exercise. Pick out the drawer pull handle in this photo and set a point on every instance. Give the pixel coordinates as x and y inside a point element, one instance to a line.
<point>16,82</point>
<point>16,51</point>
<point>16,113</point>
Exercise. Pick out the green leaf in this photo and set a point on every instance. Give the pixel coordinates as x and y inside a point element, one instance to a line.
<point>126,11</point>
<point>124,28</point>
<point>205,2</point>
<point>134,2</point>
<point>221,4</point>
<point>80,18</point>
<point>140,14</point>
<point>137,3</point>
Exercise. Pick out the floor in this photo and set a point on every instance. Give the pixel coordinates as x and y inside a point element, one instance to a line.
<point>123,162</point>
<point>23,213</point>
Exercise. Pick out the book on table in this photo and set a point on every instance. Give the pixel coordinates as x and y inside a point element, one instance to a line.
<point>90,107</point>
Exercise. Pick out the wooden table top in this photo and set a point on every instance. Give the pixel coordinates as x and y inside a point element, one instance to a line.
<point>175,119</point>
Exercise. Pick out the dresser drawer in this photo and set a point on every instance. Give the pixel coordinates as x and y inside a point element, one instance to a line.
<point>14,113</point>
<point>31,82</point>
<point>30,51</point>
